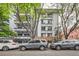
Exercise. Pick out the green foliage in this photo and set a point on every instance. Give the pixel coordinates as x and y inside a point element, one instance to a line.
<point>43,11</point>
<point>4,12</point>
<point>28,8</point>
<point>4,18</point>
<point>24,8</point>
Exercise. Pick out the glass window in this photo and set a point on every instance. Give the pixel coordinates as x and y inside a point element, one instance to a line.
<point>43,28</point>
<point>43,40</point>
<point>43,34</point>
<point>66,41</point>
<point>1,41</point>
<point>19,27</point>
<point>49,28</point>
<point>49,34</point>
<point>19,34</point>
<point>26,34</point>
<point>32,42</point>
<point>49,21</point>
<point>44,21</point>
<point>6,42</point>
<point>37,41</point>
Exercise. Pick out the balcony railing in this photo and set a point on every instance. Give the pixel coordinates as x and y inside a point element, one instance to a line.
<point>46,31</point>
<point>19,21</point>
<point>21,37</point>
<point>16,29</point>
<point>46,24</point>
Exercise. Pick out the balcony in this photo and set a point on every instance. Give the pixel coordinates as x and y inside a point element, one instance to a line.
<point>20,29</point>
<point>47,16</point>
<point>46,31</point>
<point>16,21</point>
<point>22,37</point>
<point>47,22</point>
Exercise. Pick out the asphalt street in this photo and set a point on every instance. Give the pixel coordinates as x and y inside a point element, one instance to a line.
<point>47,52</point>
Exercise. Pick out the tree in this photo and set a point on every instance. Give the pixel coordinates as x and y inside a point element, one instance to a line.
<point>4,21</point>
<point>69,14</point>
<point>31,12</point>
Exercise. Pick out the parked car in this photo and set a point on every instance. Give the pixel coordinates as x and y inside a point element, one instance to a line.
<point>32,44</point>
<point>8,44</point>
<point>64,44</point>
<point>21,40</point>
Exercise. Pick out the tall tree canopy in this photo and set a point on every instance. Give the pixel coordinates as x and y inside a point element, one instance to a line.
<point>4,21</point>
<point>31,15</point>
<point>69,12</point>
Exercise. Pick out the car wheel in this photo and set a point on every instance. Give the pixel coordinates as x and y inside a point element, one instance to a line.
<point>5,48</point>
<point>42,48</point>
<point>22,48</point>
<point>76,47</point>
<point>58,48</point>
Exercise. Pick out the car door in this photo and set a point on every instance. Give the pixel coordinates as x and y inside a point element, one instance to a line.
<point>7,43</point>
<point>37,44</point>
<point>72,44</point>
<point>31,44</point>
<point>66,44</point>
<point>34,44</point>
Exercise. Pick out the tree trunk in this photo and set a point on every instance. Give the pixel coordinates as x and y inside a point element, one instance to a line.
<point>66,37</point>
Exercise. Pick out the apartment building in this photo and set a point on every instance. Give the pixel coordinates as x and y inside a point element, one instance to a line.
<point>48,23</point>
<point>46,27</point>
<point>22,33</point>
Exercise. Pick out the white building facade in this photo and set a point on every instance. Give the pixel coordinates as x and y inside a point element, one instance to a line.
<point>48,23</point>
<point>22,33</point>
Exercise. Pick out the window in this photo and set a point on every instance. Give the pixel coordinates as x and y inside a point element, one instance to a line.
<point>37,41</point>
<point>19,26</point>
<point>44,21</point>
<point>1,41</point>
<point>43,34</point>
<point>49,34</point>
<point>43,28</point>
<point>49,28</point>
<point>66,41</point>
<point>26,34</point>
<point>43,40</point>
<point>32,42</point>
<point>19,34</point>
<point>49,21</point>
<point>6,42</point>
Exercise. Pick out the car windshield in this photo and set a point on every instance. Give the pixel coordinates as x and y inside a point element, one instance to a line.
<point>56,41</point>
<point>34,41</point>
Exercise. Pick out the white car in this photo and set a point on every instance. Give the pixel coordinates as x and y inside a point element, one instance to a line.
<point>8,44</point>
